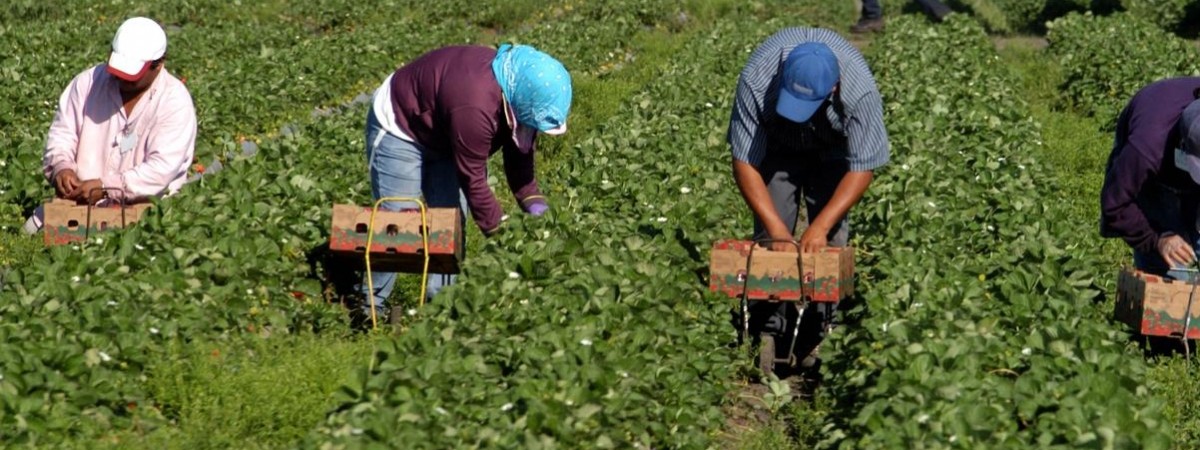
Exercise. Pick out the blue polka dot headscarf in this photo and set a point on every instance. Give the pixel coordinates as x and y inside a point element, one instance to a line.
<point>536,85</point>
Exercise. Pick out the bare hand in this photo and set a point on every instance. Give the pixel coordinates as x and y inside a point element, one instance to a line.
<point>783,243</point>
<point>89,191</point>
<point>65,182</point>
<point>1176,251</point>
<point>814,239</point>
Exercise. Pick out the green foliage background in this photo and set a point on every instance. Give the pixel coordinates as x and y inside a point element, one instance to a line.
<point>981,323</point>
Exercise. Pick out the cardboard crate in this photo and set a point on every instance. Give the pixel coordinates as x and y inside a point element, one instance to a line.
<point>1155,306</point>
<point>397,244</point>
<point>66,222</point>
<point>828,274</point>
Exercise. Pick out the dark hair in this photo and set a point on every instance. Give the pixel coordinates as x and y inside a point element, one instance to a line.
<point>1196,93</point>
<point>158,62</point>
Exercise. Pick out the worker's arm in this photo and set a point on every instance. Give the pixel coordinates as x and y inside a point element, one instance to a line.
<point>62,142</point>
<point>1120,215</point>
<point>847,194</point>
<point>754,191</point>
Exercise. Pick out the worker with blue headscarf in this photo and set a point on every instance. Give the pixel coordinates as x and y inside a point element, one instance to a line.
<point>435,121</point>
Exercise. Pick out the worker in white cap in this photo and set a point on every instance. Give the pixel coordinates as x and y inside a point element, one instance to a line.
<point>125,130</point>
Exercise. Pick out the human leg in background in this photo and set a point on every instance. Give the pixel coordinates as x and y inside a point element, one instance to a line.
<point>396,169</point>
<point>871,18</point>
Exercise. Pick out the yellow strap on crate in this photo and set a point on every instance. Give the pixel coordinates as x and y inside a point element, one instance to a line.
<point>425,249</point>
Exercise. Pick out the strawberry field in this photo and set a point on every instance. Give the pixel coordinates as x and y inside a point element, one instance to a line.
<point>983,319</point>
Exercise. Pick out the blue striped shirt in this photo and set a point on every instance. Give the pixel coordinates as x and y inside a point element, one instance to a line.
<point>849,127</point>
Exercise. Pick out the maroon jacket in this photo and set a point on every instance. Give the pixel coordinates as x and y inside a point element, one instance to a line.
<point>449,101</point>
<point>1142,166</point>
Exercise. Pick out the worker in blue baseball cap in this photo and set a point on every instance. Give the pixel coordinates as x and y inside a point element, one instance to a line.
<point>806,129</point>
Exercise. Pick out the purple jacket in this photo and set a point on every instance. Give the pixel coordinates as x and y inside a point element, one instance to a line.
<point>1141,168</point>
<point>448,100</point>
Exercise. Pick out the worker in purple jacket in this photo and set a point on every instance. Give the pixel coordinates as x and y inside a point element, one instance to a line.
<point>435,121</point>
<point>1152,183</point>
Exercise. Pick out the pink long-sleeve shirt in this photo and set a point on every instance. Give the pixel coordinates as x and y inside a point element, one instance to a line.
<point>90,124</point>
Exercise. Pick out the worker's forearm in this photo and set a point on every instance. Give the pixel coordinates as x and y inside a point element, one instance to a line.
<point>754,191</point>
<point>848,192</point>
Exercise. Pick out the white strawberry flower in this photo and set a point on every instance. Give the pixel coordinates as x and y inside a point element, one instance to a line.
<point>153,330</point>
<point>586,342</point>
<point>104,357</point>
<point>1027,351</point>
<point>411,312</point>
<point>685,190</point>
<point>514,275</point>
<point>75,279</point>
<point>506,407</point>
<point>661,219</point>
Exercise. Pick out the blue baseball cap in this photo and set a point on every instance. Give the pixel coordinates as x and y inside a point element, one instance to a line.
<point>809,74</point>
<point>1187,155</point>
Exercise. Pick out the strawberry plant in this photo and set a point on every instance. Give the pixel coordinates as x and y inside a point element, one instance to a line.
<point>983,334</point>
<point>1167,14</point>
<point>1106,59</point>
<point>590,326</point>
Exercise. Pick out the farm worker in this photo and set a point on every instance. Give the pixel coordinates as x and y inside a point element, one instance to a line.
<point>806,129</point>
<point>1152,182</point>
<point>436,120</point>
<point>127,127</point>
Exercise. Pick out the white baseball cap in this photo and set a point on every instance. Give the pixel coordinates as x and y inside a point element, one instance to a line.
<point>139,41</point>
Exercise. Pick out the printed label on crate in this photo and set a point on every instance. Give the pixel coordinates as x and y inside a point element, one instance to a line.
<point>65,222</point>
<point>828,275</point>
<point>1156,306</point>
<point>397,242</point>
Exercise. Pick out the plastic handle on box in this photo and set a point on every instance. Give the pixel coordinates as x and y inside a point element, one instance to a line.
<point>424,248</point>
<point>88,224</point>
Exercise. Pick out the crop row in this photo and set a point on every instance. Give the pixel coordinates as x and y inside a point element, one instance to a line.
<point>240,252</point>
<point>980,327</point>
<point>590,327</point>
<point>1007,16</point>
<point>1106,59</point>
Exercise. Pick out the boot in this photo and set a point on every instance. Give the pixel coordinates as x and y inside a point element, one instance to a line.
<point>866,25</point>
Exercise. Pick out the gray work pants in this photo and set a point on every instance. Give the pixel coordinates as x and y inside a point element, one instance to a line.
<point>793,177</point>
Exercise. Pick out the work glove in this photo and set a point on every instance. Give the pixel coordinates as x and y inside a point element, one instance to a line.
<point>537,209</point>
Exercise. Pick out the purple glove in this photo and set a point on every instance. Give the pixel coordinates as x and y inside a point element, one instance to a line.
<point>537,209</point>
